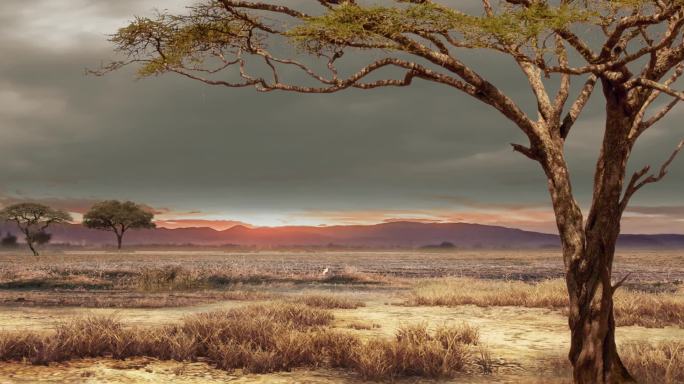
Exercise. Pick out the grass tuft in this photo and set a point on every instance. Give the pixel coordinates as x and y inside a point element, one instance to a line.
<point>416,352</point>
<point>655,363</point>
<point>330,302</point>
<point>660,363</point>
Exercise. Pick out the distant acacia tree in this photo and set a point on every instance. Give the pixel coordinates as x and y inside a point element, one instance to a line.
<point>9,240</point>
<point>33,219</point>
<point>42,238</point>
<point>118,217</point>
<point>633,49</point>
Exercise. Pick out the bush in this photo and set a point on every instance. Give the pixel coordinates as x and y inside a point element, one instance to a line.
<point>9,241</point>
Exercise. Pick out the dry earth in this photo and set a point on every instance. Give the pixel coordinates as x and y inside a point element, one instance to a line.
<point>521,340</point>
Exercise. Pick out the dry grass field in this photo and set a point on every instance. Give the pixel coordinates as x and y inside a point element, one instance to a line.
<point>203,316</point>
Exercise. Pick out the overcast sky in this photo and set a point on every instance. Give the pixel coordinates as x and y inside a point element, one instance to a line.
<point>199,153</point>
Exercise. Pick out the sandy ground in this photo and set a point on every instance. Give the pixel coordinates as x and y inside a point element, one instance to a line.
<point>152,371</point>
<point>520,339</point>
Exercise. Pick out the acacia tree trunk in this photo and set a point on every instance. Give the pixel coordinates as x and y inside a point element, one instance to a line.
<point>29,240</point>
<point>119,238</point>
<point>30,245</point>
<point>588,250</point>
<point>593,352</point>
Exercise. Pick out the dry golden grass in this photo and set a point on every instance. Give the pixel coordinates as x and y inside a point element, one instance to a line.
<point>652,310</point>
<point>256,339</point>
<point>484,360</point>
<point>661,363</point>
<point>161,276</point>
<point>329,301</point>
<point>363,326</point>
<point>416,352</point>
<point>485,293</point>
<point>631,308</point>
<point>160,286</point>
<point>180,278</point>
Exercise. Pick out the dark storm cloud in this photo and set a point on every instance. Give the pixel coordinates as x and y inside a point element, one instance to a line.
<point>238,154</point>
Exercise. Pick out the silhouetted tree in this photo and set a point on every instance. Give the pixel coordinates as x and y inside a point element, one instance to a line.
<point>632,48</point>
<point>118,217</point>
<point>9,241</point>
<point>33,219</point>
<point>447,244</point>
<point>42,238</point>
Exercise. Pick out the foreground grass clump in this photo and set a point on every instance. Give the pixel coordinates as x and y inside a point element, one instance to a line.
<point>631,308</point>
<point>255,339</point>
<point>661,363</point>
<point>416,352</point>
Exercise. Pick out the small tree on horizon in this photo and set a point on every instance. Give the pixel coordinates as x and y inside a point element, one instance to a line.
<point>42,238</point>
<point>9,241</point>
<point>632,49</point>
<point>118,217</point>
<point>33,219</point>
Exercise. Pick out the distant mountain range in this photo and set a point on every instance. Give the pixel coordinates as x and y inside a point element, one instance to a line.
<point>396,234</point>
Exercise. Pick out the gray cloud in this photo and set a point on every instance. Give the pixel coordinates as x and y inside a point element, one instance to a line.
<point>238,154</point>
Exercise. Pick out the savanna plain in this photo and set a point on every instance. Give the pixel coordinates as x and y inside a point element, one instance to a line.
<point>191,315</point>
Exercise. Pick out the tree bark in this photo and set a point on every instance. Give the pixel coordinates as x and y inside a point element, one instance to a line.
<point>119,239</point>
<point>593,352</point>
<point>33,249</point>
<point>588,249</point>
<point>27,235</point>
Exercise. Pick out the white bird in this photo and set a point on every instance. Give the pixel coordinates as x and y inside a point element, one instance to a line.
<point>325,271</point>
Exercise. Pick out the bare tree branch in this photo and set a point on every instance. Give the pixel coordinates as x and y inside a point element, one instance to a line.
<point>264,7</point>
<point>564,87</point>
<point>637,181</point>
<point>639,125</point>
<point>660,87</point>
<point>528,152</point>
<point>659,115</point>
<point>577,106</point>
<point>619,283</point>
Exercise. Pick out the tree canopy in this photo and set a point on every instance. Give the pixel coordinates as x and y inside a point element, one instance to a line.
<point>221,42</point>
<point>118,217</point>
<point>9,240</point>
<point>33,219</point>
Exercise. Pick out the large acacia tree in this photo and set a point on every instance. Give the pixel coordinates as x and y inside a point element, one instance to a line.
<point>633,49</point>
